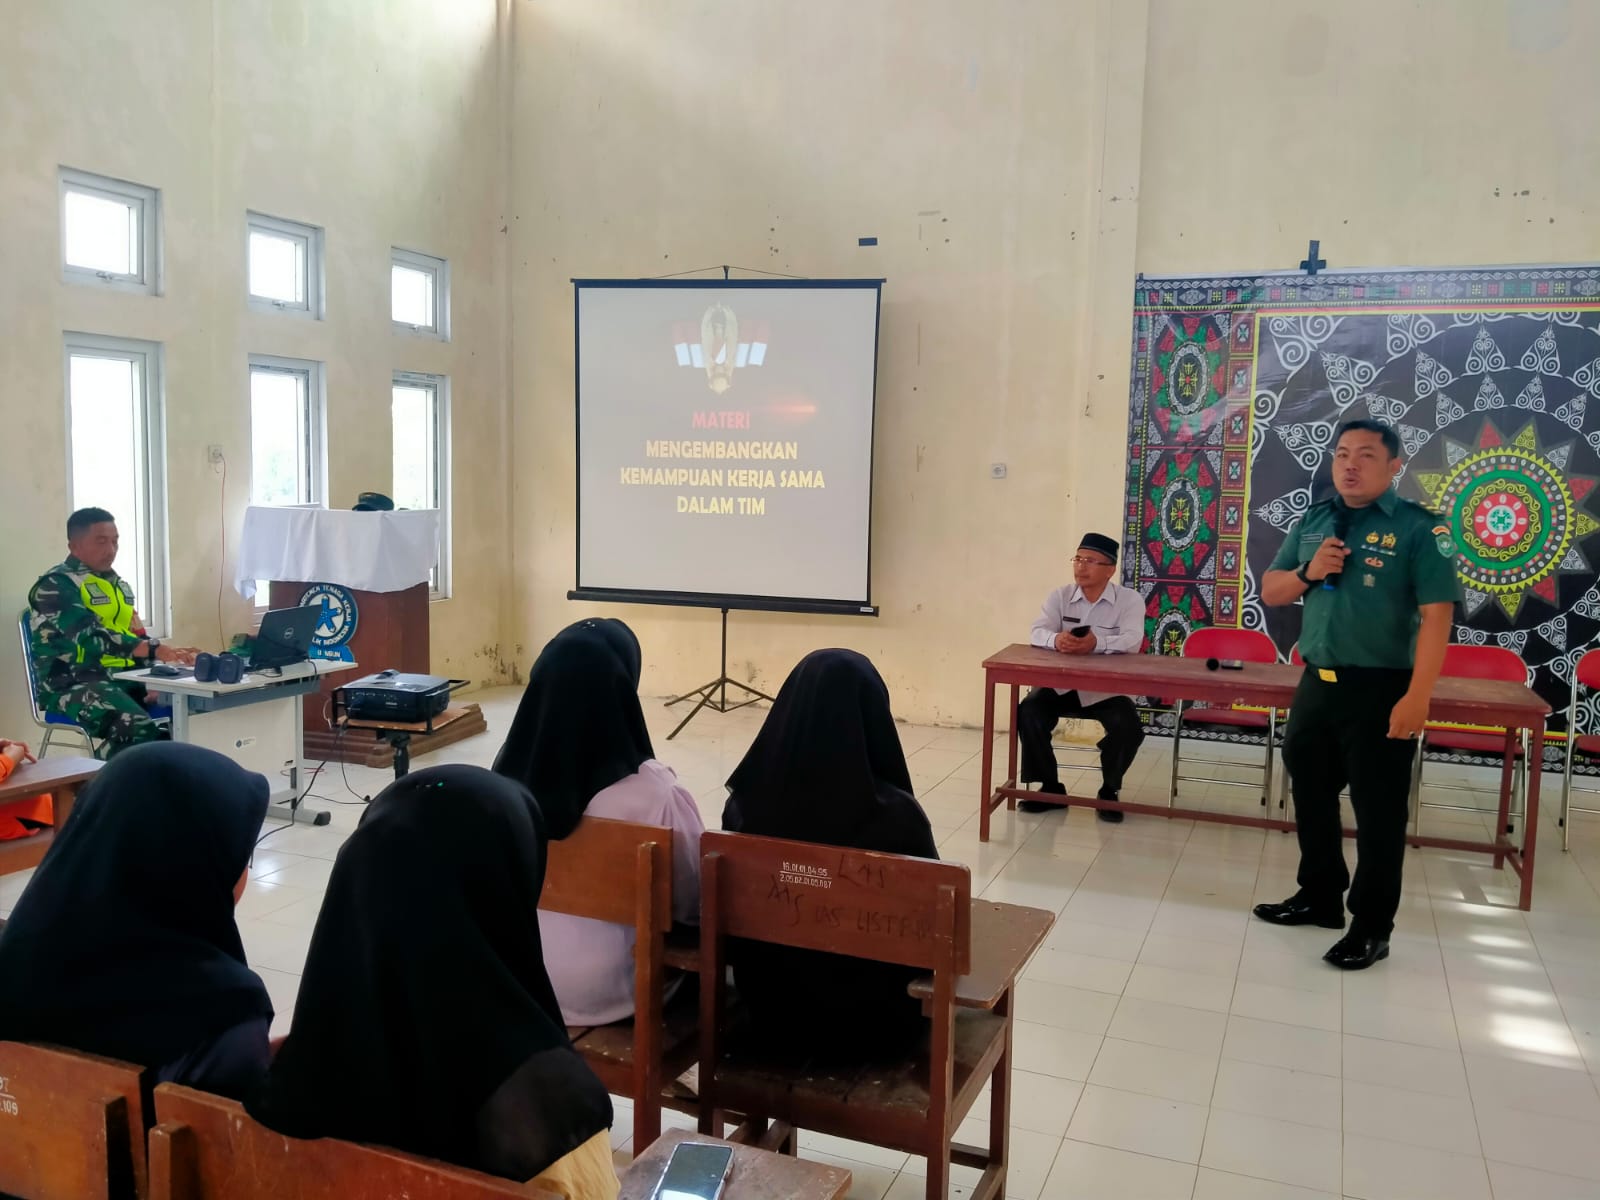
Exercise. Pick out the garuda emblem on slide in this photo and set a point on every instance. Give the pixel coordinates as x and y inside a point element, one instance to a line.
<point>715,347</point>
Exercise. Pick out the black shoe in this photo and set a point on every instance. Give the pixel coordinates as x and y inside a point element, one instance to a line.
<point>1297,910</point>
<point>1357,952</point>
<point>1111,816</point>
<point>1044,806</point>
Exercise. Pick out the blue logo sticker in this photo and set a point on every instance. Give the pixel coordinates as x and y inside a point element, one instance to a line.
<point>336,623</point>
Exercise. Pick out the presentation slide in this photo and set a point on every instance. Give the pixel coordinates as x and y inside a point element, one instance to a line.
<point>725,440</point>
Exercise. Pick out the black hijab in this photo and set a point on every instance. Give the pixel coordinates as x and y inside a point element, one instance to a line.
<point>424,988</point>
<point>827,761</point>
<point>827,767</point>
<point>579,727</point>
<point>623,642</point>
<point>124,943</point>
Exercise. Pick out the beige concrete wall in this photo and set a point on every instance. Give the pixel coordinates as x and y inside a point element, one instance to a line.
<point>1424,133</point>
<point>969,139</point>
<point>1017,161</point>
<point>385,132</point>
<point>1060,147</point>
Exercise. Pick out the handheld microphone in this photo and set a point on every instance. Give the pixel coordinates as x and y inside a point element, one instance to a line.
<point>1341,529</point>
<point>1225,664</point>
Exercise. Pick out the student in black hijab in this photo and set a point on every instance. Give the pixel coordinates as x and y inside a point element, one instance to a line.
<point>580,744</point>
<point>124,944</point>
<point>623,642</point>
<point>425,1020</point>
<point>579,727</point>
<point>827,767</point>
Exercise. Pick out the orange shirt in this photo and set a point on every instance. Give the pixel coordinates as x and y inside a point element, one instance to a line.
<point>38,809</point>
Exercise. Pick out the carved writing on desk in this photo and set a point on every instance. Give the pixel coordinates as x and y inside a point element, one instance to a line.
<point>800,908</point>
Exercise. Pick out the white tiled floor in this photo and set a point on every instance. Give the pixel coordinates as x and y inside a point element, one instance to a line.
<point>1169,1046</point>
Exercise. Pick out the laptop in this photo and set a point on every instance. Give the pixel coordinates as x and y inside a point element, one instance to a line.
<point>284,638</point>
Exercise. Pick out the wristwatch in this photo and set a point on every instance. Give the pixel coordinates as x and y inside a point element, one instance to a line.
<point>151,646</point>
<point>1300,574</point>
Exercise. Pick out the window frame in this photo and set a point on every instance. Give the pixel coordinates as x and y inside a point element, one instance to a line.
<point>440,587</point>
<point>316,451</point>
<point>313,239</point>
<point>439,268</point>
<point>145,200</point>
<point>148,357</point>
<point>316,420</point>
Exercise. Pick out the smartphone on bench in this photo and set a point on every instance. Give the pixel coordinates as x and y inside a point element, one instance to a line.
<point>696,1171</point>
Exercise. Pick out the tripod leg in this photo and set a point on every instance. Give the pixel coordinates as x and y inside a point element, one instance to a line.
<point>694,693</point>
<point>704,700</point>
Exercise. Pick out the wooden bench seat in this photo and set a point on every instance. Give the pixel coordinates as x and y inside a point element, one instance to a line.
<point>887,908</point>
<point>209,1148</point>
<point>609,1049</point>
<point>820,1095</point>
<point>71,1125</point>
<point>621,872</point>
<point>61,777</point>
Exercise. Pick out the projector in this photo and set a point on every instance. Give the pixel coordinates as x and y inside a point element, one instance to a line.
<point>393,697</point>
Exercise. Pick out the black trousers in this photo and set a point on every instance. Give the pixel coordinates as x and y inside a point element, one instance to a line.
<point>1044,707</point>
<point>1338,735</point>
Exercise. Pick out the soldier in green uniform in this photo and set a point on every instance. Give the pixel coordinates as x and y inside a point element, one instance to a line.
<point>1377,573</point>
<point>83,628</point>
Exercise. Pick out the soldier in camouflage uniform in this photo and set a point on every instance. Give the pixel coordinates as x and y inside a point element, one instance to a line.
<point>83,628</point>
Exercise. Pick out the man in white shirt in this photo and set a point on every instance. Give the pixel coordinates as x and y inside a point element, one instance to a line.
<point>1092,615</point>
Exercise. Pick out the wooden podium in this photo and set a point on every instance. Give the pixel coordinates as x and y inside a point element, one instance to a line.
<point>368,573</point>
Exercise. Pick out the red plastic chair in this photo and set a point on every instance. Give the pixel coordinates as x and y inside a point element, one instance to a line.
<point>1250,645</point>
<point>1471,662</point>
<point>1586,674</point>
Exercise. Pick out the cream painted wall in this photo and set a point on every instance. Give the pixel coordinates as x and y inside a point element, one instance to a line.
<point>385,132</point>
<point>654,138</point>
<point>1423,133</point>
<point>1061,146</point>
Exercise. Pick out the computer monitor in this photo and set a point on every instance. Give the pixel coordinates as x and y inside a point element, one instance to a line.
<point>284,637</point>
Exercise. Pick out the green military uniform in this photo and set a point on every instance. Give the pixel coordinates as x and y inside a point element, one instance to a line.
<point>81,630</point>
<point>1358,640</point>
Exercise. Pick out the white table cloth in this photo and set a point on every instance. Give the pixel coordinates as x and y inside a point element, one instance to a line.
<point>366,551</point>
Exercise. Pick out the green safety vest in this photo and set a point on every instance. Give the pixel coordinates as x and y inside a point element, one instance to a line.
<point>112,603</point>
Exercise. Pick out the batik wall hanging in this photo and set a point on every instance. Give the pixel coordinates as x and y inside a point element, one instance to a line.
<point>1487,374</point>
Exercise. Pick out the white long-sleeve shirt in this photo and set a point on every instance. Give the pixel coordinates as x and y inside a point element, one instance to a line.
<point>1116,619</point>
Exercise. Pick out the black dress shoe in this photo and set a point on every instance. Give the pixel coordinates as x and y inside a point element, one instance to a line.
<point>1297,910</point>
<point>1042,806</point>
<point>1356,952</point>
<point>1111,816</point>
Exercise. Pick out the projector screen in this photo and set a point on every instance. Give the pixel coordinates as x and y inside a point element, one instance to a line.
<point>725,442</point>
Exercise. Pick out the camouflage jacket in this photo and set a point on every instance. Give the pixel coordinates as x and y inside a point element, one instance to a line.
<point>65,638</point>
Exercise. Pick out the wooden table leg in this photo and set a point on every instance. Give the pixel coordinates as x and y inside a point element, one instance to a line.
<point>1011,748</point>
<point>61,807</point>
<point>1530,826</point>
<point>987,783</point>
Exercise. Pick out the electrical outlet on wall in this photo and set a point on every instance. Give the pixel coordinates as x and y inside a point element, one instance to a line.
<point>214,455</point>
<point>997,470</point>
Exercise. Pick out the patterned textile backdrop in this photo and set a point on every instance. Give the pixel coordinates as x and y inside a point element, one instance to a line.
<point>1487,374</point>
